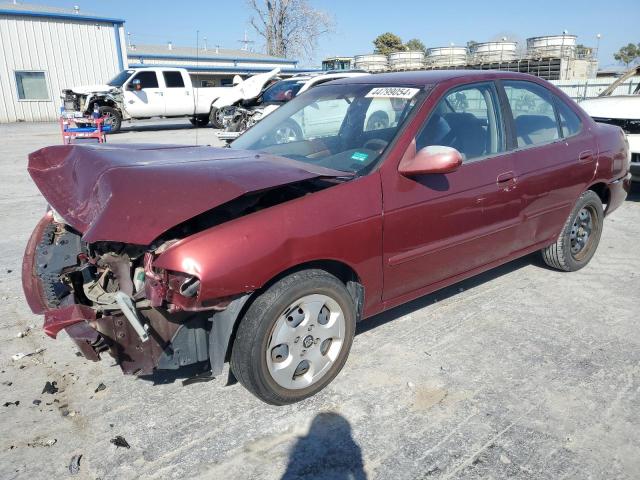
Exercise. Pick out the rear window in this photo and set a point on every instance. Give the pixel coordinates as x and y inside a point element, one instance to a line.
<point>173,79</point>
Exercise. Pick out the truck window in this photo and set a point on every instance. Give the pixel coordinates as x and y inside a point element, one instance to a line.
<point>147,79</point>
<point>173,79</point>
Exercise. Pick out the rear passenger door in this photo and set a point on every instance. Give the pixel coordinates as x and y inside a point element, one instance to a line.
<point>554,157</point>
<point>177,97</point>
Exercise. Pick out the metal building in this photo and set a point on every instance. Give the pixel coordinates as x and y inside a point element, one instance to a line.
<point>44,49</point>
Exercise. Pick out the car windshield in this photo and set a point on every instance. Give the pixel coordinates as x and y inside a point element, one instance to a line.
<point>281,91</point>
<point>120,78</point>
<point>344,127</point>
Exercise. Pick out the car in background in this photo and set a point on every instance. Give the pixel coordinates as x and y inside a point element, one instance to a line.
<point>622,110</point>
<point>268,253</point>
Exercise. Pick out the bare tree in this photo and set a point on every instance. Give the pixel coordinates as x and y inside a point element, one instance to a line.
<point>289,27</point>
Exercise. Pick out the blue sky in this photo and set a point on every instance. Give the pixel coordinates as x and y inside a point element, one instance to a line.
<point>358,22</point>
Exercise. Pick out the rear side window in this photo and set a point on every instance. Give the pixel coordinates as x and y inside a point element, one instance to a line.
<point>147,79</point>
<point>467,119</point>
<point>173,79</point>
<point>533,113</point>
<point>569,120</point>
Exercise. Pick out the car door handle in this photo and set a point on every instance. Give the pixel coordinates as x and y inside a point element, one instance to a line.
<point>158,93</point>
<point>506,178</point>
<point>586,156</point>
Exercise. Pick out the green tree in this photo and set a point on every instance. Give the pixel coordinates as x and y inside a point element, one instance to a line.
<point>415,44</point>
<point>388,43</point>
<point>628,54</point>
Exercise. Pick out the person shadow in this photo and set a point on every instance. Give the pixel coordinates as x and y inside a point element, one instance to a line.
<point>327,452</point>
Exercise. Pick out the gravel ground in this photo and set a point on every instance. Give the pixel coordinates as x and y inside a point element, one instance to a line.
<point>520,372</point>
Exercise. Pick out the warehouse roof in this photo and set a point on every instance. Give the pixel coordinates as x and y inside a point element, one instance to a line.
<point>45,11</point>
<point>191,53</point>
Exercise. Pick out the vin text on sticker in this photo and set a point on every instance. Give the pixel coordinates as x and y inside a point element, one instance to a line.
<point>392,92</point>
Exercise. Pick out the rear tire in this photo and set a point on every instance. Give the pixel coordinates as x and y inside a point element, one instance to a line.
<point>215,117</point>
<point>294,338</point>
<point>580,235</point>
<point>114,118</point>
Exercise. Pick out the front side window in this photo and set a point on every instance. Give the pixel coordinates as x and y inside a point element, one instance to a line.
<point>466,119</point>
<point>32,86</point>
<point>173,79</point>
<point>533,113</point>
<point>344,127</point>
<point>281,91</point>
<point>147,79</point>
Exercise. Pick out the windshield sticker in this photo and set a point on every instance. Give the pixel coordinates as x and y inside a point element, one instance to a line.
<point>359,156</point>
<point>392,92</point>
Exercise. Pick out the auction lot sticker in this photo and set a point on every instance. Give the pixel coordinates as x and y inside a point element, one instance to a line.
<point>392,92</point>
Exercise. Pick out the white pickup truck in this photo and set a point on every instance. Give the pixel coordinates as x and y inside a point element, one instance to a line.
<point>143,93</point>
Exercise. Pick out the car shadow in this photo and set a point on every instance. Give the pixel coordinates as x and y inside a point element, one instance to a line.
<point>447,292</point>
<point>327,451</point>
<point>634,193</point>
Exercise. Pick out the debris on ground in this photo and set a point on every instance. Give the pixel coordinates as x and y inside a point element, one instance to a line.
<point>21,355</point>
<point>9,270</point>
<point>16,403</point>
<point>411,384</point>
<point>7,383</point>
<point>200,378</point>
<point>37,402</point>
<point>50,387</point>
<point>43,443</point>
<point>120,441</point>
<point>24,332</point>
<point>74,464</point>
<point>67,412</point>
<point>100,387</point>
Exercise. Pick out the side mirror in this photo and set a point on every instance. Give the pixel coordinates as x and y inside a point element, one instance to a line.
<point>432,159</point>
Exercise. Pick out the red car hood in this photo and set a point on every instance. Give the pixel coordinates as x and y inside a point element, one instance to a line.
<point>134,193</point>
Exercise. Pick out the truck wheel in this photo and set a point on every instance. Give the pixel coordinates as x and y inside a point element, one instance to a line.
<point>215,117</point>
<point>199,121</point>
<point>579,237</point>
<point>114,118</point>
<point>294,338</point>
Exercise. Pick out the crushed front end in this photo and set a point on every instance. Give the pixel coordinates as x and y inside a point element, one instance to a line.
<point>109,298</point>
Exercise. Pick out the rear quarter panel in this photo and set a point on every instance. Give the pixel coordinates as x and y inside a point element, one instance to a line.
<point>341,223</point>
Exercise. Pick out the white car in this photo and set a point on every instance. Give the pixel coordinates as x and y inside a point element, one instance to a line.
<point>623,111</point>
<point>143,93</point>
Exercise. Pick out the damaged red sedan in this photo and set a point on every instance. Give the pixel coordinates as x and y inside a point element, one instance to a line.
<point>266,254</point>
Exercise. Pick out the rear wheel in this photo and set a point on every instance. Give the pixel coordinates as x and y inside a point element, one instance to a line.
<point>112,118</point>
<point>580,235</point>
<point>294,338</point>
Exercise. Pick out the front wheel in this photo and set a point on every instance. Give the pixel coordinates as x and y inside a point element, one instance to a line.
<point>112,118</point>
<point>580,235</point>
<point>216,117</point>
<point>294,338</point>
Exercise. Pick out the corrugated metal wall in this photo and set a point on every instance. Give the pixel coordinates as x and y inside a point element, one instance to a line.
<point>583,89</point>
<point>69,52</point>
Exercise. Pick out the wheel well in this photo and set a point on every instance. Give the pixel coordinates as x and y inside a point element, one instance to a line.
<point>602,191</point>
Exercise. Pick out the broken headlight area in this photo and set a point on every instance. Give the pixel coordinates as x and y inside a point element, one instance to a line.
<point>109,297</point>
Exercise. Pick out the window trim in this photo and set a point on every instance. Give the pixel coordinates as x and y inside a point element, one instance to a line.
<point>514,136</point>
<point>504,139</point>
<point>46,84</point>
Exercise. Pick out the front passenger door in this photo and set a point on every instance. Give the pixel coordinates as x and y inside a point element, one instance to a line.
<point>148,101</point>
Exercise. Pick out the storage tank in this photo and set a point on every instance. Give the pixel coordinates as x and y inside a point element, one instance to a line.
<point>488,52</point>
<point>555,46</point>
<point>374,62</point>
<point>446,56</point>
<point>411,60</point>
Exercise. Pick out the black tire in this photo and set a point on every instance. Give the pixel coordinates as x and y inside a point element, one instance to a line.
<point>248,355</point>
<point>199,121</point>
<point>114,118</point>
<point>378,121</point>
<point>214,118</point>
<point>561,255</point>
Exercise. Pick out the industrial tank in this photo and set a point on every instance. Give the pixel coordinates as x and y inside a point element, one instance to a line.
<point>446,56</point>
<point>555,46</point>
<point>411,60</point>
<point>373,62</point>
<point>488,52</point>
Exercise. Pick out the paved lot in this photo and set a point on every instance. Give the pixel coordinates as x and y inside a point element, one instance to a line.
<point>522,372</point>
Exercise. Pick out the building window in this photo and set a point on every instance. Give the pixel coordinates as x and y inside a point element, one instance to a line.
<point>32,86</point>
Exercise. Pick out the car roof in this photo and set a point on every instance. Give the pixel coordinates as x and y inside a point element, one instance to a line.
<point>430,77</point>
